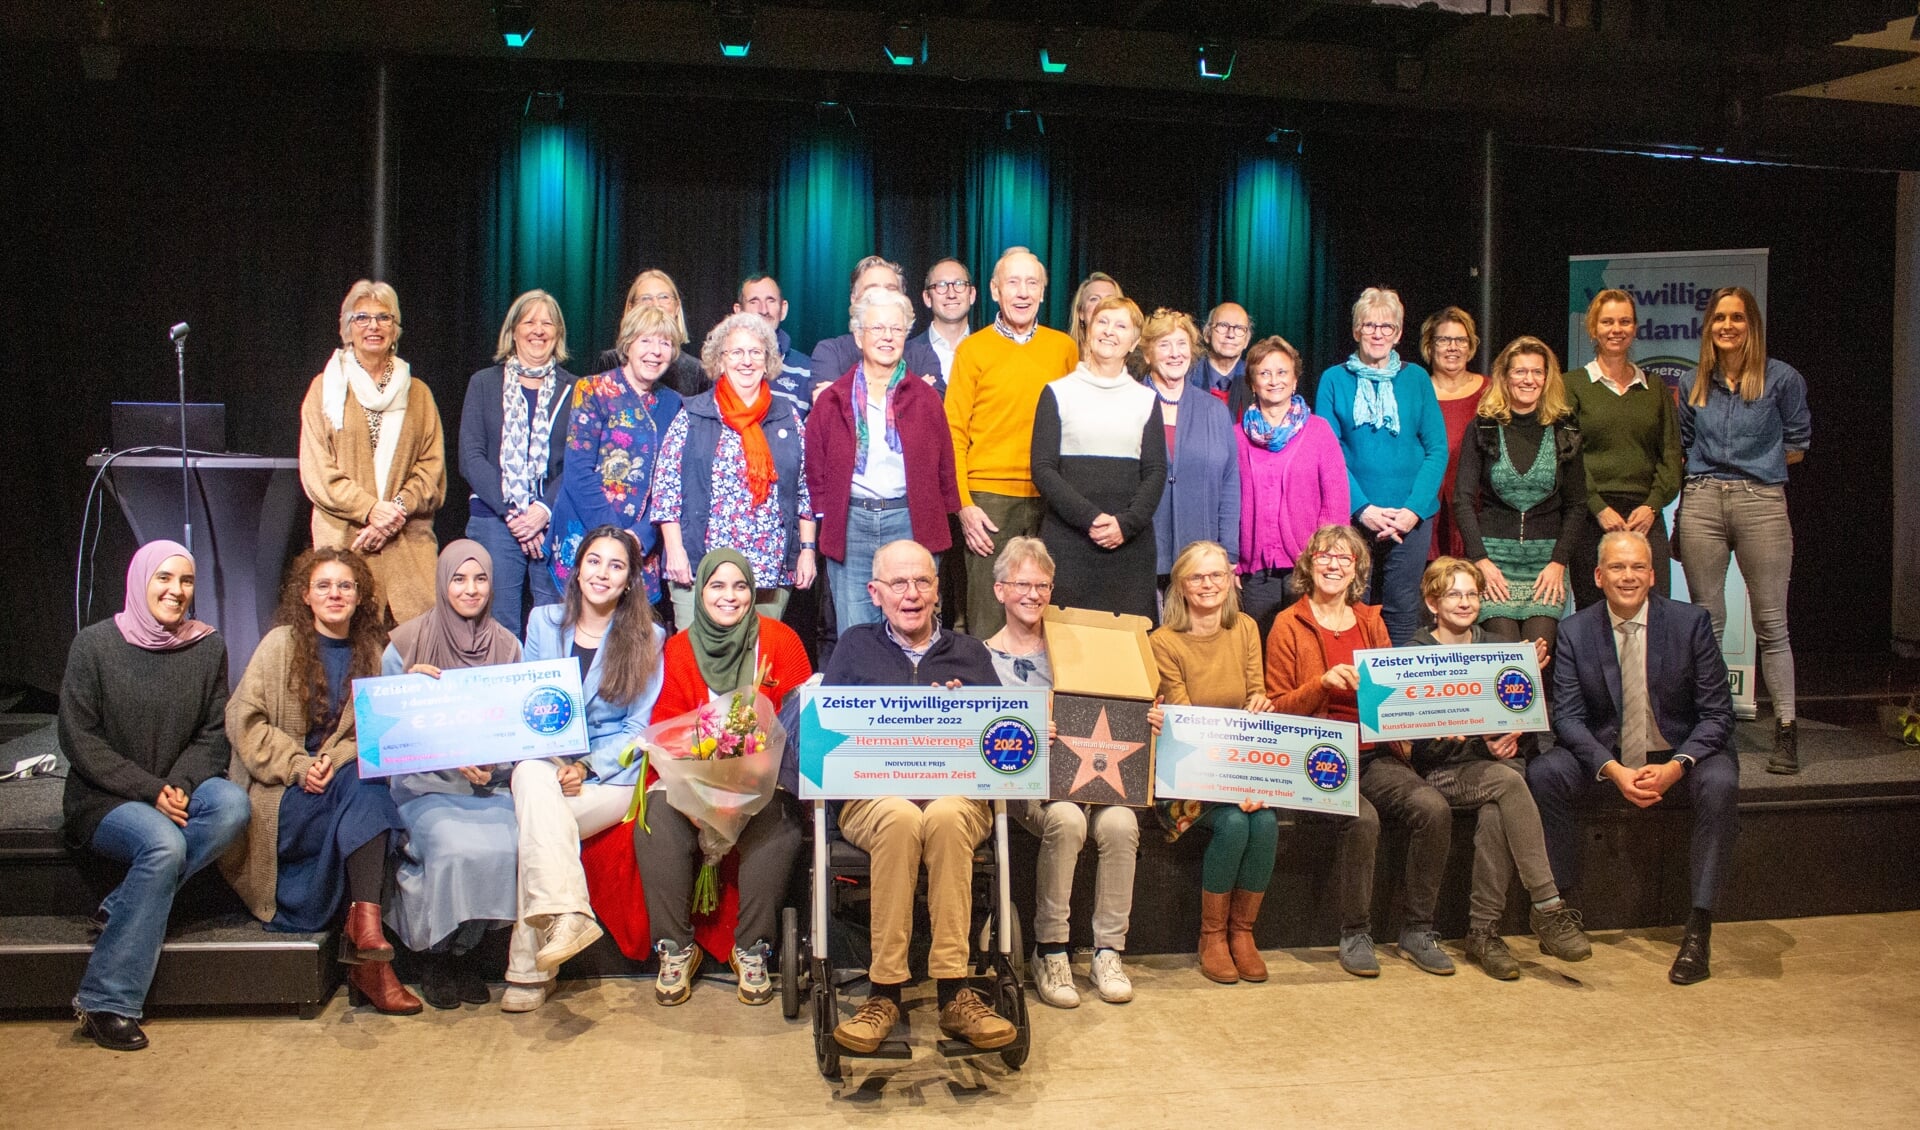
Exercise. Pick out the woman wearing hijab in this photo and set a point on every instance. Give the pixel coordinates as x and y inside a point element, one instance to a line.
<point>1394,438</point>
<point>372,459</point>
<point>513,439</point>
<point>725,646</point>
<point>458,876</point>
<point>606,626</point>
<point>143,723</point>
<point>320,836</point>
<point>732,472</point>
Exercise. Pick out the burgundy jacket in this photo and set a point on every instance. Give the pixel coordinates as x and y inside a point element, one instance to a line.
<point>926,443</point>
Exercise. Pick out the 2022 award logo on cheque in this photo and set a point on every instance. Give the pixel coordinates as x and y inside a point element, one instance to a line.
<point>922,742</point>
<point>1407,693</point>
<point>469,716</point>
<point>1279,760</point>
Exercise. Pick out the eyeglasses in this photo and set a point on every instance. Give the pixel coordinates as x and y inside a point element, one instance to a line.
<point>1461,594</point>
<point>950,286</point>
<point>652,299</point>
<point>1029,588</point>
<point>736,356</point>
<point>1228,329</point>
<point>1204,579</point>
<point>1537,372</point>
<point>1449,340</point>
<point>1325,558</point>
<point>885,331</point>
<point>364,319</point>
<point>1378,329</point>
<point>344,588</point>
<point>920,585</point>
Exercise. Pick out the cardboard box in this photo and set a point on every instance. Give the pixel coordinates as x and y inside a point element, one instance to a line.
<point>1104,681</point>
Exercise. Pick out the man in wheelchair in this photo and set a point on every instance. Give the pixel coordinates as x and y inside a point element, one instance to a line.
<point>909,649</point>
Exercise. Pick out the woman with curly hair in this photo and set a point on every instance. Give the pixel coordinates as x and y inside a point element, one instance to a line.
<point>320,835</point>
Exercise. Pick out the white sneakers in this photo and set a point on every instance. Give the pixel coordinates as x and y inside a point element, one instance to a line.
<point>1053,978</point>
<point>525,998</point>
<point>566,935</point>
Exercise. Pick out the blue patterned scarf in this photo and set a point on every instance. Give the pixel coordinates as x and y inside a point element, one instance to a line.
<point>1273,437</point>
<point>860,413</point>
<point>1373,400</point>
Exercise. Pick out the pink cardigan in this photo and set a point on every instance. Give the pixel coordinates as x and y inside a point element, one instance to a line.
<point>1286,495</point>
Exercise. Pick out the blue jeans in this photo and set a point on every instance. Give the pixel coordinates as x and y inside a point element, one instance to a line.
<point>512,570</point>
<point>867,531</point>
<point>1395,583</point>
<point>160,857</point>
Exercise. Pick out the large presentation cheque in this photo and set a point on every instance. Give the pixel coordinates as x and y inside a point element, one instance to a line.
<point>922,742</point>
<point>1436,692</point>
<point>1280,760</point>
<point>472,716</point>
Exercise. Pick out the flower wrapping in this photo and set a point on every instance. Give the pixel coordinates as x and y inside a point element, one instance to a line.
<point>717,766</point>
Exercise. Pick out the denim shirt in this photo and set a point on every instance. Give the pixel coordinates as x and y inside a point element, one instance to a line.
<point>1730,438</point>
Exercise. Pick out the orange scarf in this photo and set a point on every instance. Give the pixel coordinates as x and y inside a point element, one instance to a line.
<point>745,418</point>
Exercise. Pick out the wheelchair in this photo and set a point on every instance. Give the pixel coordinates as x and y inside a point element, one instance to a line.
<point>806,970</point>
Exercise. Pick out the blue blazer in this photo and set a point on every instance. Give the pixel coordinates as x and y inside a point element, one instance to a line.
<point>481,419</point>
<point>1686,683</point>
<point>611,726</point>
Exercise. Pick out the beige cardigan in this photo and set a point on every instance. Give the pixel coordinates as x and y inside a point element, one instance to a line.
<point>268,730</point>
<point>336,469</point>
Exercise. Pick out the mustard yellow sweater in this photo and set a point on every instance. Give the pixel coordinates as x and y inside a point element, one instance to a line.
<point>991,396</point>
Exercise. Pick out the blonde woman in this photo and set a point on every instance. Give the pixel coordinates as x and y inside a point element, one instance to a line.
<point>372,456</point>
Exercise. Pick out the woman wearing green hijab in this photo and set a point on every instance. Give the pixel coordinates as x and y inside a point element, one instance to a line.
<point>727,644</point>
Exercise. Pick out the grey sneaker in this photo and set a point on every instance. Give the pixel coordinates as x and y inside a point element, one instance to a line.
<point>1356,955</point>
<point>1422,947</point>
<point>750,966</point>
<point>1053,980</point>
<point>1560,933</point>
<point>1486,949</point>
<point>674,984</point>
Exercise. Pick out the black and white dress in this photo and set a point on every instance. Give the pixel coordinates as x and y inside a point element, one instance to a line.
<point>1099,447</point>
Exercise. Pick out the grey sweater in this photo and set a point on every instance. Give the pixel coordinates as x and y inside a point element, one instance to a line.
<point>132,720</point>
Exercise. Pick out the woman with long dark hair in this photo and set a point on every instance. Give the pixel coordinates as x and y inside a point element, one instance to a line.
<point>606,625</point>
<point>320,835</point>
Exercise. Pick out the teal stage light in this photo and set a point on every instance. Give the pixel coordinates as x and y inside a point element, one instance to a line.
<point>906,43</point>
<point>1049,66</point>
<point>514,22</point>
<point>733,21</point>
<point>1214,59</point>
<point>1058,48</point>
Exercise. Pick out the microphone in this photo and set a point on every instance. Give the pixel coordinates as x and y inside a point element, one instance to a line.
<point>178,333</point>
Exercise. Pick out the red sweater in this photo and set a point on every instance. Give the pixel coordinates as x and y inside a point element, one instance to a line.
<point>926,445</point>
<point>683,688</point>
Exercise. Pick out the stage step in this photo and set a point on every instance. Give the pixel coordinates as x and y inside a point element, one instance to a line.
<point>225,961</point>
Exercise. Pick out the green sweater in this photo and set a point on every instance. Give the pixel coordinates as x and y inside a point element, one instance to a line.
<point>1631,442</point>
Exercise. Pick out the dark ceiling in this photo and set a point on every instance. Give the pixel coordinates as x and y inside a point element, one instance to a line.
<point>1708,76</point>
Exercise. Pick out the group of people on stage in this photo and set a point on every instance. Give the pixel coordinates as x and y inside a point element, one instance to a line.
<point>1268,542</point>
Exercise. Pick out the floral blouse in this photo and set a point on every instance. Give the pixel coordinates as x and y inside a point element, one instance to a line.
<point>756,531</point>
<point>613,442</point>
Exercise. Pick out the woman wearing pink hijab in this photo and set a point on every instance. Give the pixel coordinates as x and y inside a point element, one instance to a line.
<point>143,722</point>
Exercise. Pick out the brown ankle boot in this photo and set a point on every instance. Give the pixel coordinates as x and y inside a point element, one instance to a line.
<point>374,983</point>
<point>1215,961</point>
<point>1241,911</point>
<point>363,939</point>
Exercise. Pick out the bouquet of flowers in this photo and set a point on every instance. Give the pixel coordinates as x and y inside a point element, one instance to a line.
<point>717,766</point>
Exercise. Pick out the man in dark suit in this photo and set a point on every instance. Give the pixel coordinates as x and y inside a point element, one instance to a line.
<point>1641,708</point>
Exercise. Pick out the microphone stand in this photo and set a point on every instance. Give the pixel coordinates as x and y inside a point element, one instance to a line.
<point>186,495</point>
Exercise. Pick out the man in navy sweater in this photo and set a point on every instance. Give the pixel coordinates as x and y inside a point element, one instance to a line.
<point>908,648</point>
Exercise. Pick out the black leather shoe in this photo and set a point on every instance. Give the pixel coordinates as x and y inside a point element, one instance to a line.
<point>1690,966</point>
<point>438,986</point>
<point>1786,749</point>
<point>112,1031</point>
<point>469,982</point>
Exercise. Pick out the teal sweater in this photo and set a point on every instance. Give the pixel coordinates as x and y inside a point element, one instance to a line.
<point>1384,469</point>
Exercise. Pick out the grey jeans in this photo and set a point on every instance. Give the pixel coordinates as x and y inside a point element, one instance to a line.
<point>1062,827</point>
<point>1392,787</point>
<point>1507,837</point>
<point>1747,521</point>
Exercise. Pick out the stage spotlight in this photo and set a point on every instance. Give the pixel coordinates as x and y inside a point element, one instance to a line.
<point>906,42</point>
<point>546,106</point>
<point>1214,57</point>
<point>733,21</point>
<point>1059,47</point>
<point>1017,120</point>
<point>514,22</point>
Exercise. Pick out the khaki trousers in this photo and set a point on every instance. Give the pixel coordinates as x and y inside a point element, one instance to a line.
<point>899,834</point>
